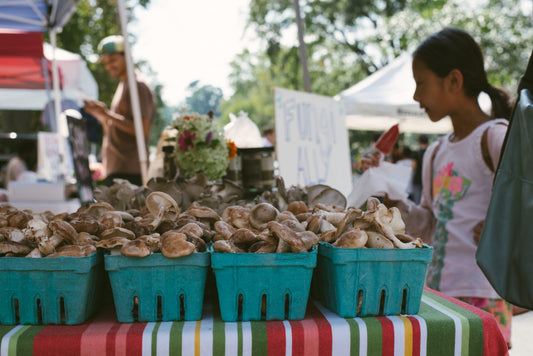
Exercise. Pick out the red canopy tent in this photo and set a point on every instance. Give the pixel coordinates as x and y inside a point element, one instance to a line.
<point>22,61</point>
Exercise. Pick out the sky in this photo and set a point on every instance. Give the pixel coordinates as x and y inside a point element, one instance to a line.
<point>186,41</point>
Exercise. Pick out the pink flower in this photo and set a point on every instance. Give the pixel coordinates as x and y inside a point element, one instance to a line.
<point>186,140</point>
<point>456,184</point>
<point>447,169</point>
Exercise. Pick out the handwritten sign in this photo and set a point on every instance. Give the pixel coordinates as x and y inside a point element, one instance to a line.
<point>77,127</point>
<point>312,140</point>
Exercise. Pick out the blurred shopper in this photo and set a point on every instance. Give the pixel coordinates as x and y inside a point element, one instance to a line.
<point>458,169</point>
<point>418,155</point>
<point>120,155</point>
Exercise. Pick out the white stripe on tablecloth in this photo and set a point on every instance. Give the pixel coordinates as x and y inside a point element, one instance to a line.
<point>147,339</point>
<point>246,338</point>
<point>4,344</point>
<point>399,335</point>
<point>340,331</point>
<point>288,338</point>
<point>206,331</point>
<point>163,338</point>
<point>363,336</point>
<point>231,334</point>
<point>456,321</point>
<point>187,338</point>
<point>423,335</point>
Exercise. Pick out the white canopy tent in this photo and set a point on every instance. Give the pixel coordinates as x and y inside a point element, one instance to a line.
<point>385,98</point>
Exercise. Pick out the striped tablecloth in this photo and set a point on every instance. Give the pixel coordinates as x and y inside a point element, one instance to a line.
<point>444,326</point>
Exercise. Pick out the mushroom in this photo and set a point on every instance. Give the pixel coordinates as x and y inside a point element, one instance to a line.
<point>113,244</point>
<point>111,219</point>
<point>64,230</point>
<point>35,253</point>
<point>377,240</point>
<point>203,213</point>
<point>161,206</point>
<point>244,238</point>
<point>297,207</point>
<point>223,230</point>
<point>328,236</point>
<point>262,246</point>
<point>321,193</point>
<point>225,246</point>
<point>261,214</point>
<point>352,238</point>
<point>19,219</point>
<point>13,247</point>
<point>153,241</point>
<point>84,238</point>
<point>117,231</point>
<point>352,216</point>
<point>191,229</point>
<point>309,239</point>
<point>239,217</point>
<point>99,209</point>
<point>68,251</point>
<point>284,233</point>
<point>294,224</point>
<point>135,248</point>
<point>318,224</point>
<point>13,234</point>
<point>176,245</point>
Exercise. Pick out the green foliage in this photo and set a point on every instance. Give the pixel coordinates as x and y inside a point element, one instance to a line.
<point>204,98</point>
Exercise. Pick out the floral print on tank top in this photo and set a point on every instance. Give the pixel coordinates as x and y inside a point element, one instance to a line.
<point>448,187</point>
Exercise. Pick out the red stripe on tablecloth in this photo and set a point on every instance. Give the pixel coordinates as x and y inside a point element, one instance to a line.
<point>121,345</point>
<point>325,339</point>
<point>110,339</point>
<point>415,325</point>
<point>275,338</point>
<point>387,338</point>
<point>134,339</point>
<point>493,341</point>
<point>59,340</point>
<point>297,332</point>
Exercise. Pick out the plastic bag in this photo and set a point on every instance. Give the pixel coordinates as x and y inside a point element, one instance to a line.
<point>243,131</point>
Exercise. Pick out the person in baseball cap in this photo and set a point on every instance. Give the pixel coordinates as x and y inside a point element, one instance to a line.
<point>110,45</point>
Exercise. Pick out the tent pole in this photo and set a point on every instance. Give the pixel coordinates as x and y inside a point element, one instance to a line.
<point>62,129</point>
<point>134,93</point>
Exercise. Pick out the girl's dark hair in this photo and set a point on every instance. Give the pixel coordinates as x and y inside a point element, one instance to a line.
<point>453,48</point>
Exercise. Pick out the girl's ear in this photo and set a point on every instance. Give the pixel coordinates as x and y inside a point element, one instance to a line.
<point>455,80</point>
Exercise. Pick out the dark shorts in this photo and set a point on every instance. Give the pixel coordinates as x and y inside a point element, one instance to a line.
<point>132,178</point>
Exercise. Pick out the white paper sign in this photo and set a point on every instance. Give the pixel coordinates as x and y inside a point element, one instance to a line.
<point>312,140</point>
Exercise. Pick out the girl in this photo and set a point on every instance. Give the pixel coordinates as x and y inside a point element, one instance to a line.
<point>458,169</point>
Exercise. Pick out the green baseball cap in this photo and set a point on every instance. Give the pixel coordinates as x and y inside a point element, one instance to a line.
<point>110,45</point>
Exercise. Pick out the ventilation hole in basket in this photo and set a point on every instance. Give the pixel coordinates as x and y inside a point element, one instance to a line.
<point>263,307</point>
<point>135,310</point>
<point>39,312</point>
<point>17,312</point>
<point>287,306</point>
<point>239,307</point>
<point>159,309</point>
<point>62,313</point>
<point>404,302</point>
<point>382,303</point>
<point>182,307</point>
<point>359,302</point>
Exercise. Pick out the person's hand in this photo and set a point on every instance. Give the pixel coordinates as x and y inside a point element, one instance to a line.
<point>477,231</point>
<point>370,159</point>
<point>95,108</point>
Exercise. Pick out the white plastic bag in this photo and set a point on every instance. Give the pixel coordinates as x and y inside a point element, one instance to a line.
<point>243,131</point>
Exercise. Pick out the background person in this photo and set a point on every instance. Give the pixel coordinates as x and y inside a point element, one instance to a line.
<point>120,157</point>
<point>449,73</point>
<point>418,156</point>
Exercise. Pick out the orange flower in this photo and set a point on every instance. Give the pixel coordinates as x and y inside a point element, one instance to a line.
<point>232,149</point>
<point>186,118</point>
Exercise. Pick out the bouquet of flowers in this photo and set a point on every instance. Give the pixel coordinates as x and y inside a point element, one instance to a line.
<point>201,147</point>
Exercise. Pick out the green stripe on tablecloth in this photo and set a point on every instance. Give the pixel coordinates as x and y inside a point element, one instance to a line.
<point>239,338</point>
<point>259,338</point>
<point>25,340</point>
<point>354,337</point>
<point>13,340</point>
<point>176,338</point>
<point>219,334</point>
<point>473,340</point>
<point>154,337</point>
<point>4,329</point>
<point>375,336</point>
<point>440,330</point>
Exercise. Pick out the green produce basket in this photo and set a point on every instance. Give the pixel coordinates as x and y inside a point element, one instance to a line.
<point>263,286</point>
<point>61,290</point>
<point>370,281</point>
<point>157,288</point>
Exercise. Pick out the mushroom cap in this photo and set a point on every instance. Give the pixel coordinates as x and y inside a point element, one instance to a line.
<point>63,229</point>
<point>224,230</point>
<point>135,248</point>
<point>284,233</point>
<point>112,242</point>
<point>225,246</point>
<point>13,247</point>
<point>161,205</point>
<point>324,194</point>
<point>117,231</point>
<point>378,240</point>
<point>352,238</point>
<point>297,207</point>
<point>174,245</point>
<point>261,214</point>
<point>100,208</point>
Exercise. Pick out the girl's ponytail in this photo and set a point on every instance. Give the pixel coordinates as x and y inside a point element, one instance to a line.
<point>501,102</point>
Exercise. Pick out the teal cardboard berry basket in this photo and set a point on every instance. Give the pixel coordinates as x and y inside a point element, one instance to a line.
<point>263,286</point>
<point>60,290</point>
<point>157,288</point>
<point>370,281</point>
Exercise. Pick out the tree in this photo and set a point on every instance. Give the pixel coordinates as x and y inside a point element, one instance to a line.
<point>203,98</point>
